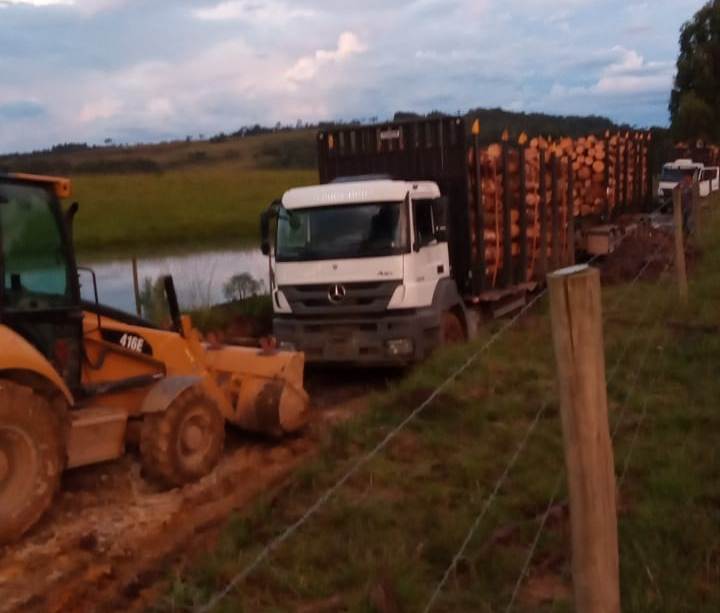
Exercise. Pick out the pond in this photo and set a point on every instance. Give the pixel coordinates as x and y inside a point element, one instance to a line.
<point>199,277</point>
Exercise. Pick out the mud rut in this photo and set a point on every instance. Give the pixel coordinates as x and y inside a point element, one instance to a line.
<point>111,537</point>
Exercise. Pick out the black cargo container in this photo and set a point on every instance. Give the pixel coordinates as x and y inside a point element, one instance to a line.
<point>424,150</point>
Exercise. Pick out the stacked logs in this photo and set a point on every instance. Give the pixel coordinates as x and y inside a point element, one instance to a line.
<point>591,167</point>
<point>542,185</point>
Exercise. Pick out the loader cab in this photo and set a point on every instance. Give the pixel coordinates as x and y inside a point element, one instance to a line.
<point>40,295</point>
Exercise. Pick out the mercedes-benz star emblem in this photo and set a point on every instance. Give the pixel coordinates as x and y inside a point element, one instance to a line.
<point>336,293</point>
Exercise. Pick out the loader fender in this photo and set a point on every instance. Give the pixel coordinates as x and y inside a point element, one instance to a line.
<point>19,355</point>
<point>165,391</point>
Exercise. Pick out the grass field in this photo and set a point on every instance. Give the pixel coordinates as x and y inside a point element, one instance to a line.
<point>208,206</point>
<point>384,541</point>
<point>176,196</point>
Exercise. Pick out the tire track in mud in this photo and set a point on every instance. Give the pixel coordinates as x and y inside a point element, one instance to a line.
<point>111,537</point>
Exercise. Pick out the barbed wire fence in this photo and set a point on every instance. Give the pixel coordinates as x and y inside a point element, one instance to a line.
<point>618,422</point>
<point>556,489</point>
<point>363,460</point>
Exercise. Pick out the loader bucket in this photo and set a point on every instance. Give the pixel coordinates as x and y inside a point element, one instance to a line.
<point>265,389</point>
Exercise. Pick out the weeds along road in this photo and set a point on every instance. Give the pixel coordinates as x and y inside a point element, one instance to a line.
<point>112,536</point>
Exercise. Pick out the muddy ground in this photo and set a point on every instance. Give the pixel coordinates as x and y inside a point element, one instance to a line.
<point>649,250</point>
<point>112,537</point>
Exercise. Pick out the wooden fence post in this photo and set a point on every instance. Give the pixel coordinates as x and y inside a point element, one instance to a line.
<point>136,287</point>
<point>680,269</point>
<point>576,314</point>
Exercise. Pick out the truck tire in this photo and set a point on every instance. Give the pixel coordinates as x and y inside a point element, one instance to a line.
<point>31,458</point>
<point>184,442</point>
<point>453,331</point>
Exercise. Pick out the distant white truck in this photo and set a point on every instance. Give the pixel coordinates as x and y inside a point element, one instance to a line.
<point>709,180</point>
<point>707,177</point>
<point>673,173</point>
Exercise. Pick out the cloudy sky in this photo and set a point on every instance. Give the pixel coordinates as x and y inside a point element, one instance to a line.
<point>142,70</point>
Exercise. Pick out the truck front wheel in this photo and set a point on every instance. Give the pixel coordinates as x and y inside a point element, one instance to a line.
<point>31,458</point>
<point>453,331</point>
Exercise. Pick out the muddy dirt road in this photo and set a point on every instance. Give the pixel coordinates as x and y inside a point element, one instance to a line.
<point>112,536</point>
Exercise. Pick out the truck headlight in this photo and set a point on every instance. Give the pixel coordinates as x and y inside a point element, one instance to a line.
<point>400,346</point>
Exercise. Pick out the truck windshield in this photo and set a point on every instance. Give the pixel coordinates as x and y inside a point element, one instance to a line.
<point>349,231</point>
<point>675,175</point>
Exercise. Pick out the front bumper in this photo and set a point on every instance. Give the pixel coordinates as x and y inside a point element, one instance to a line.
<point>392,338</point>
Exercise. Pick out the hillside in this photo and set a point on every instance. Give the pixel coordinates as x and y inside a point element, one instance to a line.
<point>199,194</point>
<point>266,148</point>
<point>275,150</point>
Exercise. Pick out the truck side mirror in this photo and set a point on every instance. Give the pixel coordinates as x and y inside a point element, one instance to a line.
<point>265,219</point>
<point>265,233</point>
<point>440,211</point>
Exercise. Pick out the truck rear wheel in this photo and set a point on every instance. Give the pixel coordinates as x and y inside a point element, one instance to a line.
<point>453,331</point>
<point>185,442</point>
<point>31,458</point>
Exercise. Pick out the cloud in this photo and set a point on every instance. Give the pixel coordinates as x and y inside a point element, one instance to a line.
<point>270,12</point>
<point>134,70</point>
<point>631,74</point>
<point>104,108</point>
<point>21,109</point>
<point>308,66</point>
<point>87,7</point>
<point>628,87</point>
<point>36,2</point>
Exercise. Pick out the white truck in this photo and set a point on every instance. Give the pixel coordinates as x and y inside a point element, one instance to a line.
<point>380,264</point>
<point>362,272</point>
<point>707,178</point>
<point>675,172</point>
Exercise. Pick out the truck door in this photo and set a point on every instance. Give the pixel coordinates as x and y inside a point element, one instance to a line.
<point>705,183</point>
<point>429,259</point>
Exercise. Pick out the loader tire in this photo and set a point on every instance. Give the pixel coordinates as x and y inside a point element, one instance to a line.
<point>32,455</point>
<point>185,442</point>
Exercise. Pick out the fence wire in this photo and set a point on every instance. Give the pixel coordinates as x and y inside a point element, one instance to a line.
<point>365,459</point>
<point>322,500</point>
<point>513,460</point>
<point>556,490</point>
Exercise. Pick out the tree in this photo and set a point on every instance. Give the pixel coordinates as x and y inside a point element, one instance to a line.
<point>242,286</point>
<point>695,99</point>
<point>694,119</point>
<point>153,301</point>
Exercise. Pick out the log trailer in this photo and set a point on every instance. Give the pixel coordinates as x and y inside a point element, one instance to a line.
<point>417,230</point>
<point>79,380</point>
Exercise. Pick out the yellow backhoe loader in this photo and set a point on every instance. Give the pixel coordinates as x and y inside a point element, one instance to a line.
<point>79,379</point>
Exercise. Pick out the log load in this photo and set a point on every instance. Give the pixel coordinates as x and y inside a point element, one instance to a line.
<point>607,172</point>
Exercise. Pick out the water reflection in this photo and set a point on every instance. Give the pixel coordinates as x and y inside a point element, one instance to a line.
<point>201,279</point>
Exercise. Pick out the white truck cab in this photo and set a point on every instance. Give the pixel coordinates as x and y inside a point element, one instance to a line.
<point>361,271</point>
<point>673,173</point>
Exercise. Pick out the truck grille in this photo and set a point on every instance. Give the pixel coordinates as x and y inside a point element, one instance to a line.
<point>340,298</point>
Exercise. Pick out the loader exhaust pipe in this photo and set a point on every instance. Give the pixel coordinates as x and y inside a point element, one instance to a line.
<point>173,306</point>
